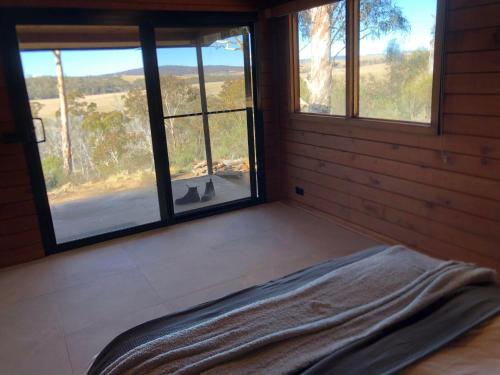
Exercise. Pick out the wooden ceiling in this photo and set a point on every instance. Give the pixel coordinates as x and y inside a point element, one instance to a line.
<point>173,5</point>
<point>40,37</point>
<point>274,8</point>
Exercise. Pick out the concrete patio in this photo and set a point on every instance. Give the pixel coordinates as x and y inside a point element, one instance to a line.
<point>113,211</point>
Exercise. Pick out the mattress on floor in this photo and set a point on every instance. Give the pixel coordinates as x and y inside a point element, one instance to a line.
<point>399,348</point>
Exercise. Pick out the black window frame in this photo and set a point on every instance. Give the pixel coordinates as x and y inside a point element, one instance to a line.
<point>146,21</point>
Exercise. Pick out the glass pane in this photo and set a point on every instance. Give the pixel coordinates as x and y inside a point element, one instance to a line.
<point>223,65</point>
<point>97,160</point>
<point>397,59</point>
<point>186,145</point>
<point>187,158</point>
<point>208,153</point>
<point>322,59</point>
<point>229,137</point>
<point>229,141</point>
<point>188,162</point>
<point>180,88</point>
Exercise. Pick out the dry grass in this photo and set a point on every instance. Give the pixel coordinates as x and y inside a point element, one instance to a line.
<point>105,103</point>
<point>109,102</point>
<point>375,69</point>
<point>378,70</point>
<point>213,88</point>
<point>131,79</point>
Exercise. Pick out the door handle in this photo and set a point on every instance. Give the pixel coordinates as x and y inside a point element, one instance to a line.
<point>40,121</point>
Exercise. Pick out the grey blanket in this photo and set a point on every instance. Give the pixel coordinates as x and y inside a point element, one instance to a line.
<point>287,332</point>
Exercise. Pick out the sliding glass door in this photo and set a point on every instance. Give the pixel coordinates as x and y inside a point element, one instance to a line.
<point>93,132</point>
<point>206,99</point>
<point>133,126</point>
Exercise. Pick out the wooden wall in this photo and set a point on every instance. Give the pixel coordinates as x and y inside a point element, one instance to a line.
<point>440,194</point>
<point>20,238</point>
<point>269,97</point>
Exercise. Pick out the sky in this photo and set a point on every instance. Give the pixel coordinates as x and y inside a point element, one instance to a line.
<point>97,62</point>
<point>421,16</point>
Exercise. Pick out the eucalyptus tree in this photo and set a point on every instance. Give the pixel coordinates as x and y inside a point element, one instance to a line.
<point>323,29</point>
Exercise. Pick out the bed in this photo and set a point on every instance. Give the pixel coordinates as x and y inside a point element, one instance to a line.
<point>384,310</point>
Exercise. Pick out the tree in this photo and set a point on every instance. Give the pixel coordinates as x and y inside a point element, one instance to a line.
<point>324,29</point>
<point>409,82</point>
<point>320,60</point>
<point>178,97</point>
<point>77,106</point>
<point>108,138</point>
<point>404,92</point>
<point>232,94</point>
<point>65,137</point>
<point>36,107</point>
<point>135,105</point>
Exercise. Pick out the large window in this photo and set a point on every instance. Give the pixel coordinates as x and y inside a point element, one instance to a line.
<point>95,142</point>
<point>322,57</point>
<point>206,108</point>
<point>369,60</point>
<point>131,127</point>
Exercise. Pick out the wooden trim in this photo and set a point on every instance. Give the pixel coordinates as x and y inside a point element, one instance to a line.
<point>294,6</point>
<point>349,66</point>
<point>388,125</point>
<point>294,101</point>
<point>352,63</point>
<point>438,69</point>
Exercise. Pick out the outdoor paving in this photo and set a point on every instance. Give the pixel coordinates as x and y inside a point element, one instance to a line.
<point>119,210</point>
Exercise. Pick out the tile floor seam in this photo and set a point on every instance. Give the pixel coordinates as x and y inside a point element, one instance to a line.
<point>204,289</point>
<point>69,334</point>
<point>99,278</point>
<point>215,246</point>
<point>150,284</point>
<point>73,370</point>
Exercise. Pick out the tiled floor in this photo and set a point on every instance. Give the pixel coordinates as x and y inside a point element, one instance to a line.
<point>57,313</point>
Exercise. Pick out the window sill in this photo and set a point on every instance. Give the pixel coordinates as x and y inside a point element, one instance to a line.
<point>386,125</point>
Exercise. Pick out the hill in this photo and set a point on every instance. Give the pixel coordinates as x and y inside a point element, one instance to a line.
<point>182,70</point>
<point>45,87</point>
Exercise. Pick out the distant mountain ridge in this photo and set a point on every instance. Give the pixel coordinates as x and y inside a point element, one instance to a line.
<point>182,70</point>
<point>45,87</point>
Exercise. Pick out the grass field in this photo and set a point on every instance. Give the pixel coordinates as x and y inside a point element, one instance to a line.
<point>378,70</point>
<point>105,103</point>
<point>114,101</point>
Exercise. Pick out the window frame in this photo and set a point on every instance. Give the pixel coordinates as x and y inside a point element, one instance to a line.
<point>352,117</point>
<point>147,21</point>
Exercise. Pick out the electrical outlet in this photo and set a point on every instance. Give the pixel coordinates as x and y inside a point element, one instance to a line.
<point>299,190</point>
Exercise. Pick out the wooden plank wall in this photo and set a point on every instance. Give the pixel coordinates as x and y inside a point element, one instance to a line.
<point>440,194</point>
<point>20,238</point>
<point>266,39</point>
